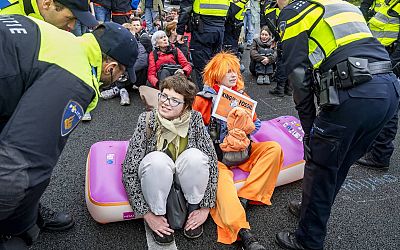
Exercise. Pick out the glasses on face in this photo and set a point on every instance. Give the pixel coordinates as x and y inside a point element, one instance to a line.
<point>173,102</point>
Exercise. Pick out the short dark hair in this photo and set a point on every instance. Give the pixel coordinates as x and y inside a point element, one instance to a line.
<point>136,19</point>
<point>59,6</point>
<point>181,85</point>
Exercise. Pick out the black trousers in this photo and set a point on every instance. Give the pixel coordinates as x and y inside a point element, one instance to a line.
<point>203,46</point>
<point>338,138</point>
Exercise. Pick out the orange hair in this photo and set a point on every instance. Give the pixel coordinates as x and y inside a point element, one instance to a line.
<point>218,66</point>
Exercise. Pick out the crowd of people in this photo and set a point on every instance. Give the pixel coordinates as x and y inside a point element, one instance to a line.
<point>189,54</point>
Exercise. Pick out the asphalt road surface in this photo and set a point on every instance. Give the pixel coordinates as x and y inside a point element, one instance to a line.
<point>365,214</point>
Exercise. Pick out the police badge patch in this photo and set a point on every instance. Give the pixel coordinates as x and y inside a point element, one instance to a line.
<point>282,27</point>
<point>73,113</point>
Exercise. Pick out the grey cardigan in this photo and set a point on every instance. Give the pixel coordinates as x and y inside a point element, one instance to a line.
<point>139,146</point>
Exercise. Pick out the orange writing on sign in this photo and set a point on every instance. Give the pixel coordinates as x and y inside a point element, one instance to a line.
<point>227,99</point>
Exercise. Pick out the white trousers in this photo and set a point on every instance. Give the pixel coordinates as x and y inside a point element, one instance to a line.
<point>156,172</point>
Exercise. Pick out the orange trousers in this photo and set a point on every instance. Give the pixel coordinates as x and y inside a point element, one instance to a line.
<point>264,164</point>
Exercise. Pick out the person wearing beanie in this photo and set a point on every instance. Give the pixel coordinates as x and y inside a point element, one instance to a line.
<point>60,13</point>
<point>49,79</point>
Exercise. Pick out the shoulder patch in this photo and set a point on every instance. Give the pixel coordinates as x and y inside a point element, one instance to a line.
<point>73,113</point>
<point>282,27</point>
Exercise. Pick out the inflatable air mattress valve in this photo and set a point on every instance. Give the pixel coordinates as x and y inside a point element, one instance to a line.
<point>105,194</point>
<point>287,131</point>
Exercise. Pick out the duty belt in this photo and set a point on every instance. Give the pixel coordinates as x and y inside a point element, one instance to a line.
<point>380,67</point>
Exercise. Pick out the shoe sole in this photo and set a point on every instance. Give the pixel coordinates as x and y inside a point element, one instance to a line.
<point>373,168</point>
<point>192,237</point>
<point>58,229</point>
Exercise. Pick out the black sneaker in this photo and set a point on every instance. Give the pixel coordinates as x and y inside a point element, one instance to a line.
<point>193,233</point>
<point>249,241</point>
<point>294,208</point>
<point>162,241</point>
<point>276,92</point>
<point>54,221</point>
<point>369,161</point>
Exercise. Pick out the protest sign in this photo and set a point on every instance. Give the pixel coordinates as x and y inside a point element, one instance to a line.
<point>227,99</point>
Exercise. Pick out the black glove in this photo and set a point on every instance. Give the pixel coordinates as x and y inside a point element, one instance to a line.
<point>306,146</point>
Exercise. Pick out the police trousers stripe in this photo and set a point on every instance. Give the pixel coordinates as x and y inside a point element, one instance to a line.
<point>350,28</point>
<point>214,6</point>
<point>385,34</point>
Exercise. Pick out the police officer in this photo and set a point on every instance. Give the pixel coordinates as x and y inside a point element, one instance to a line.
<point>234,24</point>
<point>370,7</point>
<point>48,79</point>
<point>206,19</point>
<point>60,13</point>
<point>385,26</point>
<point>355,86</point>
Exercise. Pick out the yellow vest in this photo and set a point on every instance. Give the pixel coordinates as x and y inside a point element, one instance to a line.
<point>242,4</point>
<point>385,27</point>
<point>211,7</point>
<point>67,51</point>
<point>21,7</point>
<point>377,4</point>
<point>330,25</point>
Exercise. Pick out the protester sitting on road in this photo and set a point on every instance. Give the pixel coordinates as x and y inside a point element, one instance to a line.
<point>126,82</point>
<point>141,34</point>
<point>170,143</point>
<point>263,56</point>
<point>264,162</point>
<point>49,78</point>
<point>170,30</point>
<point>165,60</point>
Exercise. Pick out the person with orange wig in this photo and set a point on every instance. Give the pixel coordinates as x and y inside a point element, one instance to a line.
<point>264,162</point>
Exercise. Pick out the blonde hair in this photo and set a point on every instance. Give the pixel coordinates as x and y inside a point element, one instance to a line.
<point>219,66</point>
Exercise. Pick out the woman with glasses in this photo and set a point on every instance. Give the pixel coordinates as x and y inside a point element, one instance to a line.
<point>169,142</point>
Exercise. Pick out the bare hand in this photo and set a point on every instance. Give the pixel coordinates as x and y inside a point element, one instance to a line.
<point>179,39</point>
<point>197,218</point>
<point>158,224</point>
<point>179,71</point>
<point>265,61</point>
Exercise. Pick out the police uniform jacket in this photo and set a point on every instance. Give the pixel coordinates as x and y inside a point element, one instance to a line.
<point>319,36</point>
<point>33,55</point>
<point>212,17</point>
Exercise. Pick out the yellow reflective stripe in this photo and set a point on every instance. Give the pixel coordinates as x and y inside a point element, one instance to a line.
<point>300,15</point>
<point>345,17</point>
<point>73,59</point>
<point>293,29</point>
<point>353,37</point>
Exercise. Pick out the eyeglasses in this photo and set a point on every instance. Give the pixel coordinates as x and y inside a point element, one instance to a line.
<point>173,102</point>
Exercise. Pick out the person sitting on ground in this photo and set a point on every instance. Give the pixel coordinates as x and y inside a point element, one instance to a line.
<point>126,82</point>
<point>168,141</point>
<point>264,162</point>
<point>141,35</point>
<point>170,30</point>
<point>165,60</point>
<point>263,56</point>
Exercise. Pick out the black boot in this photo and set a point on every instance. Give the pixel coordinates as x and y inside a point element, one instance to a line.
<point>12,243</point>
<point>54,221</point>
<point>277,92</point>
<point>369,161</point>
<point>294,208</point>
<point>249,241</point>
<point>198,231</point>
<point>288,240</point>
<point>162,241</point>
